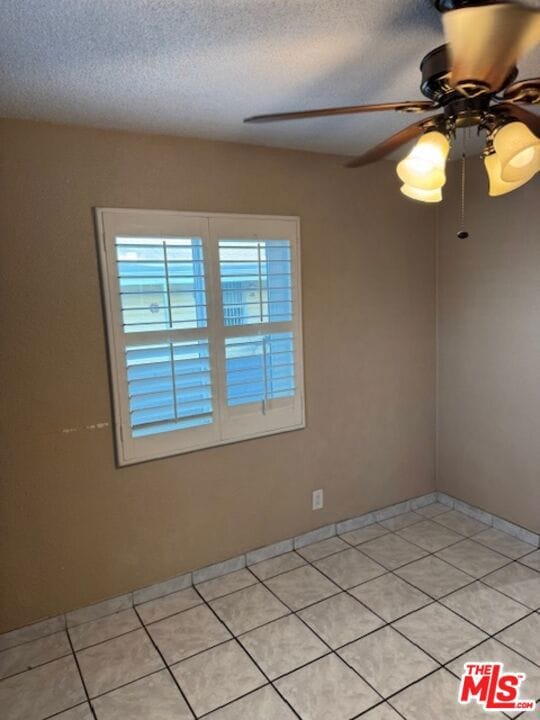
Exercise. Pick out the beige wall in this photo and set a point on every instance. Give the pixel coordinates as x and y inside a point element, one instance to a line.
<point>75,528</point>
<point>489,350</point>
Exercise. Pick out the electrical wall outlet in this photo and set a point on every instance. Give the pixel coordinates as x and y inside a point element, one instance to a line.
<point>317,500</point>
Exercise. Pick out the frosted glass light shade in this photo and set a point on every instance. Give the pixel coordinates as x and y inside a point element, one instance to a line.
<point>518,150</point>
<point>430,196</point>
<point>423,167</point>
<point>497,186</point>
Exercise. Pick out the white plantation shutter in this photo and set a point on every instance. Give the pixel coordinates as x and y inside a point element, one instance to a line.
<point>204,328</point>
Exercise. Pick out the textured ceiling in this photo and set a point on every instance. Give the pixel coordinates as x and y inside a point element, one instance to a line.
<point>197,67</point>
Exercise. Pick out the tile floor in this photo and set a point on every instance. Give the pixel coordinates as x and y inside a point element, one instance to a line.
<point>375,624</point>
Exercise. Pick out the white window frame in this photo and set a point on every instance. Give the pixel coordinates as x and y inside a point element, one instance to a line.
<point>230,424</point>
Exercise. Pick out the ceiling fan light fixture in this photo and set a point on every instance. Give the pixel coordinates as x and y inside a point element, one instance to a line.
<point>423,168</point>
<point>429,196</point>
<point>518,150</point>
<point>497,186</point>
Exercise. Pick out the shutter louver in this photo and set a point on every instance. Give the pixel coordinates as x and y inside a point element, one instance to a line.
<point>259,368</point>
<point>169,386</point>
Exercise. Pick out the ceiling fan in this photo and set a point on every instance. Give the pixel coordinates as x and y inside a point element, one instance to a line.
<point>472,81</point>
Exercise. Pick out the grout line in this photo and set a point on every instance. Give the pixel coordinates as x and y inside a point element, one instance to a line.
<point>335,650</point>
<point>127,684</point>
<point>37,665</point>
<point>321,639</point>
<point>175,681</point>
<point>26,642</point>
<point>102,642</point>
<point>247,652</point>
<point>83,682</point>
<point>84,704</point>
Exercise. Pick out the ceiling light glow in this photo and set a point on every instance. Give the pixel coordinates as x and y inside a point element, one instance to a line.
<point>424,166</point>
<point>518,150</point>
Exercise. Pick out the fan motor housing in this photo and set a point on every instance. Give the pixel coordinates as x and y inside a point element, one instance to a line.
<point>435,68</point>
<point>448,5</point>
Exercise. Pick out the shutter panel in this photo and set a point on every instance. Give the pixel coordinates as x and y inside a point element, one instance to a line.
<point>261,377</point>
<point>162,288</point>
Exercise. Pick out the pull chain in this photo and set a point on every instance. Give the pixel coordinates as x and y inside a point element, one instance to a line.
<point>463,234</point>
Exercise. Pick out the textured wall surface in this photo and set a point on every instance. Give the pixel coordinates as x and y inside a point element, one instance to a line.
<point>489,350</point>
<point>75,529</point>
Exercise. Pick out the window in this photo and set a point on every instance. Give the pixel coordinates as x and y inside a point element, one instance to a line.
<point>204,328</point>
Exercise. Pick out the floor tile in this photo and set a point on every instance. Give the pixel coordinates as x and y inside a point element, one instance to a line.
<point>460,523</point>
<point>31,654</point>
<point>387,661</point>
<point>327,689</point>
<point>503,543</point>
<point>493,651</point>
<point>362,535</point>
<point>432,510</point>
<point>435,698</point>
<point>41,692</point>
<point>440,632</point>
<point>118,661</point>
<point>217,676</point>
<point>80,712</point>
<point>226,584</point>
<point>382,712</point>
<point>433,576</point>
<point>390,596</point>
<point>401,521</point>
<point>282,646</point>
<point>263,704</point>
<point>524,638</point>
<point>429,535</point>
<point>485,607</point>
<point>302,587</point>
<point>322,549</point>
<point>188,633</point>
<point>517,581</point>
<point>97,631</point>
<point>473,558</point>
<point>392,551</point>
<point>248,608</point>
<point>168,605</point>
<point>155,697</point>
<point>349,568</point>
<point>275,566</point>
<point>532,560</point>
<point>340,619</point>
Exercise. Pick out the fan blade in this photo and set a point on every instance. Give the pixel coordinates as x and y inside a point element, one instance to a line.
<point>531,120</point>
<point>524,91</point>
<point>486,41</point>
<point>390,144</point>
<point>408,106</point>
